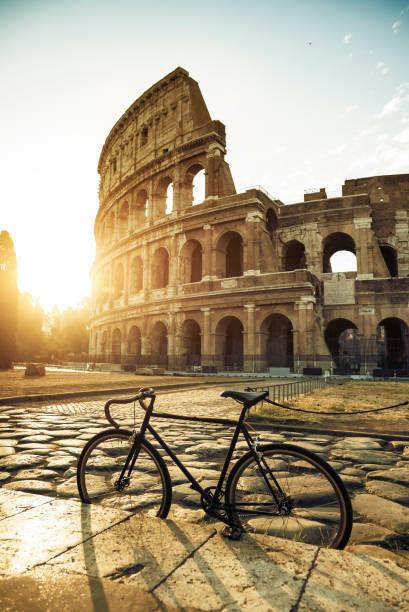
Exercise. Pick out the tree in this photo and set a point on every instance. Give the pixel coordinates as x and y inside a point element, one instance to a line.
<point>30,334</point>
<point>8,301</point>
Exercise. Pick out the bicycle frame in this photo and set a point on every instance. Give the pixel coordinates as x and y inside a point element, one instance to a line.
<point>213,500</point>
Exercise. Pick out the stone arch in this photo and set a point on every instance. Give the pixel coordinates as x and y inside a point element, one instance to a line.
<point>160,268</point>
<point>110,234</point>
<point>134,345</point>
<point>271,221</point>
<point>190,345</point>
<point>342,339</point>
<point>392,343</point>
<point>159,339</point>
<point>191,262</point>
<point>277,350</point>
<point>229,255</point>
<point>104,345</point>
<point>140,208</point>
<point>229,343</point>
<point>336,242</point>
<point>136,275</point>
<point>116,346</point>
<point>390,257</point>
<point>164,196</point>
<point>294,256</point>
<point>118,280</point>
<point>195,184</point>
<point>123,219</point>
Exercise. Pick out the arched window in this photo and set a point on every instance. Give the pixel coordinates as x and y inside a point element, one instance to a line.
<point>277,337</point>
<point>140,208</point>
<point>134,345</point>
<point>191,262</point>
<point>136,276</point>
<point>295,256</point>
<point>230,255</point>
<point>118,280</point>
<point>160,344</point>
<point>389,255</point>
<point>160,269</point>
<point>341,337</point>
<point>229,343</point>
<point>116,346</point>
<point>392,339</point>
<point>164,197</point>
<point>191,344</point>
<point>123,219</point>
<point>339,253</point>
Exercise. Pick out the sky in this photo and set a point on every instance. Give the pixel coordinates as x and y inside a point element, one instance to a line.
<point>312,92</point>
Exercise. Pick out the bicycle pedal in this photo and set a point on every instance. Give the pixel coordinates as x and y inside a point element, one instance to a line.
<point>232,533</point>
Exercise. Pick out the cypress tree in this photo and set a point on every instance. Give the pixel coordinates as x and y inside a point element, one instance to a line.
<point>8,301</point>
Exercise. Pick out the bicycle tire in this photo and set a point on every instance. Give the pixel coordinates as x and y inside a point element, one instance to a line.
<point>321,512</point>
<point>100,465</point>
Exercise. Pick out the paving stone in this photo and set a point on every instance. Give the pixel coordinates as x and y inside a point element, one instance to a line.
<point>365,456</point>
<point>382,512</point>
<point>8,442</point>
<point>70,487</point>
<point>372,467</point>
<point>30,486</point>
<point>341,581</point>
<point>6,450</point>
<point>72,442</point>
<point>402,464</point>
<point>337,466</point>
<point>258,573</point>
<point>36,438</point>
<point>37,473</point>
<point>61,463</point>
<point>358,444</point>
<point>57,526</point>
<point>398,475</point>
<point>47,589</point>
<point>367,533</point>
<point>14,502</point>
<point>20,461</point>
<point>390,490</point>
<point>351,471</point>
<point>4,476</point>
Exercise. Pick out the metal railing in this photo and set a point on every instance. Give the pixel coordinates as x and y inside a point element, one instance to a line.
<point>285,391</point>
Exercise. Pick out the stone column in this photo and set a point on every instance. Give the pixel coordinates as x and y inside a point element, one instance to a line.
<point>251,258</point>
<point>208,270</point>
<point>364,248</point>
<point>172,360</point>
<point>151,202</point>
<point>146,271</point>
<point>214,159</point>
<point>306,355</point>
<point>402,235</point>
<point>250,340</point>
<point>206,348</point>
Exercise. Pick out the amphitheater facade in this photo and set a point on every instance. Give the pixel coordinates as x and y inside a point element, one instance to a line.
<point>238,281</point>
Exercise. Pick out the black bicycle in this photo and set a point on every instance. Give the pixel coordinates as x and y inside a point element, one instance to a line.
<point>275,489</point>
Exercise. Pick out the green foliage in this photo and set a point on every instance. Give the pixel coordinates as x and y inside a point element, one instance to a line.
<point>8,300</point>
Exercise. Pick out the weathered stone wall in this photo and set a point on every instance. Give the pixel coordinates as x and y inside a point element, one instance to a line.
<point>237,281</point>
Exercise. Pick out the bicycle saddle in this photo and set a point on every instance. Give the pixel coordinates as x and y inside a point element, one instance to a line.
<point>249,399</point>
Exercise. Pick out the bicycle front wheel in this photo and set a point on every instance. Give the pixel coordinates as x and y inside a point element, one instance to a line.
<point>100,465</point>
<point>290,493</point>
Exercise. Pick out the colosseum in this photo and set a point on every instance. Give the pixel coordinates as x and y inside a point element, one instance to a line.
<point>238,281</point>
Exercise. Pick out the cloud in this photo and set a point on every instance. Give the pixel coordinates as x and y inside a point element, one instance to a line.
<point>395,26</point>
<point>347,38</point>
<point>403,136</point>
<point>337,150</point>
<point>397,102</point>
<point>382,68</point>
<point>351,108</point>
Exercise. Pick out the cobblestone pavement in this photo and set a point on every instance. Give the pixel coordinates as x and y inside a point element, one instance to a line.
<point>40,445</point>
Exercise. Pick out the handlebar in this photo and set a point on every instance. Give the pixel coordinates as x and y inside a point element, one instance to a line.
<point>142,394</point>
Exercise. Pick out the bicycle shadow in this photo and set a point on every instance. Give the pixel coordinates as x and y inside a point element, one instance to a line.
<point>96,587</point>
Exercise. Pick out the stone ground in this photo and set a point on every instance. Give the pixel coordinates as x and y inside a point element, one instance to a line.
<point>40,444</point>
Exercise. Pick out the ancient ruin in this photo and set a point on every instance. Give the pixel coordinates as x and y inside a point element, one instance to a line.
<point>238,281</point>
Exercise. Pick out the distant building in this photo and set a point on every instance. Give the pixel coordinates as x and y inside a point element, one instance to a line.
<point>239,281</point>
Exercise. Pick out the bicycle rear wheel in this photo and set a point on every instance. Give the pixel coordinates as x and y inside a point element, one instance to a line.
<point>289,493</point>
<point>100,465</point>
